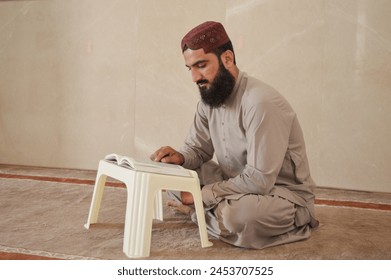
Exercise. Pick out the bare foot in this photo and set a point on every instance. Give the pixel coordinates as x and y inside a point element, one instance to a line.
<point>178,207</point>
<point>187,198</point>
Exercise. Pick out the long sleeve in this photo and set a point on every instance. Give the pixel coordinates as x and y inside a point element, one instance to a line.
<point>198,147</point>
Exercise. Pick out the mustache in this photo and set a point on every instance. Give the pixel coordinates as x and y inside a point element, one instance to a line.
<point>201,82</point>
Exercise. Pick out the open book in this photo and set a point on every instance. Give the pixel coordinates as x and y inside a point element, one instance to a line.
<point>148,166</point>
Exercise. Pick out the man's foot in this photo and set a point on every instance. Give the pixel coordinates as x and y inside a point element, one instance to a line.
<point>180,208</point>
<point>187,198</point>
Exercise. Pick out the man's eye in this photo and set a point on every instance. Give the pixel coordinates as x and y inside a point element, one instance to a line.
<point>202,65</point>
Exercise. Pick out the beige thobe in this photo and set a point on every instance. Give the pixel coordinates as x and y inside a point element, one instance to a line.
<point>260,193</point>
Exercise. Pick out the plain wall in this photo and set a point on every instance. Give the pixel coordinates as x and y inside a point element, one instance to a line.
<point>80,79</point>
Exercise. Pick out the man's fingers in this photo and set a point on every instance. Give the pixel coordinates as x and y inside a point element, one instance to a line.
<point>161,153</point>
<point>167,155</point>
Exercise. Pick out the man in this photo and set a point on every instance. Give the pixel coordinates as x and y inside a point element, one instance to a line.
<point>259,194</point>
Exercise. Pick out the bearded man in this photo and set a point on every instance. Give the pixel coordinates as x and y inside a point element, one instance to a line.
<point>259,193</point>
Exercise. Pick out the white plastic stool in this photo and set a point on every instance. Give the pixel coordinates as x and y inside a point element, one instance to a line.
<point>144,202</point>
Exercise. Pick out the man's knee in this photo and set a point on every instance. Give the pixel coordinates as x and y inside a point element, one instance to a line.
<point>235,214</point>
<point>264,215</point>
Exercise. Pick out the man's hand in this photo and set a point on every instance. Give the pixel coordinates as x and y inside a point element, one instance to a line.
<point>168,155</point>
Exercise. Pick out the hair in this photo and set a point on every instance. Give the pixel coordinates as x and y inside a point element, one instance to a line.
<point>220,50</point>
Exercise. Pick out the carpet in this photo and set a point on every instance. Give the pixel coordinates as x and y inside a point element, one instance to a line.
<point>45,218</point>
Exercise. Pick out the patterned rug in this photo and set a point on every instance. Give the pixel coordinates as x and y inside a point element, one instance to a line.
<point>43,218</point>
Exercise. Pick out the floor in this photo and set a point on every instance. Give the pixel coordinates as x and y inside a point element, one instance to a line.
<point>356,201</point>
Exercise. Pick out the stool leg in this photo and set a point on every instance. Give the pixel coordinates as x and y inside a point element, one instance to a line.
<point>139,216</point>
<point>191,185</point>
<point>96,199</point>
<point>158,210</point>
<point>201,218</point>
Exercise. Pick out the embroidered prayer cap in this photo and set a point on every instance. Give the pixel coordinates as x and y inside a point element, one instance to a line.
<point>208,36</point>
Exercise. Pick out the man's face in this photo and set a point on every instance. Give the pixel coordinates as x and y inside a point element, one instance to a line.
<point>203,67</point>
<point>213,79</point>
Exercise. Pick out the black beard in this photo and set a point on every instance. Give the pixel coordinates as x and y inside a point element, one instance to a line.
<point>220,89</point>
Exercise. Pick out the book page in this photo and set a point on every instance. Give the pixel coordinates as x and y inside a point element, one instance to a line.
<point>148,166</point>
<point>113,158</point>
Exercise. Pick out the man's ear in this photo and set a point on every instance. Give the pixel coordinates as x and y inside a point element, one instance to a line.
<point>227,58</point>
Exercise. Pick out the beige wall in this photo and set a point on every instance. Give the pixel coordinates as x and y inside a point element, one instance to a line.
<point>83,78</point>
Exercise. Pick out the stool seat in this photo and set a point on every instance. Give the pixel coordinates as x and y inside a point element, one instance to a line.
<point>144,203</point>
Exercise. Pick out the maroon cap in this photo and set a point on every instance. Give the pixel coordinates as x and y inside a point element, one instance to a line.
<point>208,36</point>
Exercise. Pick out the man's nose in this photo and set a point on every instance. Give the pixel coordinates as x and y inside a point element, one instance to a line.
<point>195,75</point>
